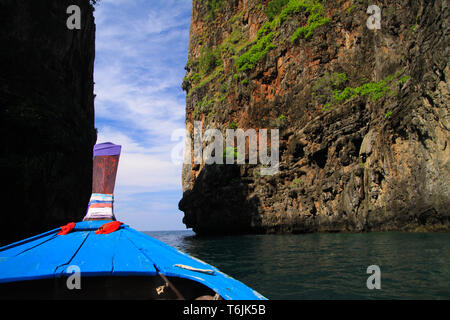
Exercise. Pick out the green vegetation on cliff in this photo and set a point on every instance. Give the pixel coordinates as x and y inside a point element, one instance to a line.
<point>296,183</point>
<point>375,90</point>
<point>212,6</point>
<point>341,170</point>
<point>329,90</point>
<point>274,8</point>
<point>209,64</point>
<point>204,69</point>
<point>316,19</point>
<point>208,105</point>
<point>263,45</point>
<point>277,12</point>
<point>209,60</point>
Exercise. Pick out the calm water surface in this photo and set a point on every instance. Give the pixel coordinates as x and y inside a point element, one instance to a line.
<point>327,266</point>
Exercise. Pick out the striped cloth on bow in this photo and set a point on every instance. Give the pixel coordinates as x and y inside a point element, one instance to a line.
<point>100,207</point>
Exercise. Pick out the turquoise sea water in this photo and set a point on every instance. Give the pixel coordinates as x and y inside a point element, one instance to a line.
<point>327,266</point>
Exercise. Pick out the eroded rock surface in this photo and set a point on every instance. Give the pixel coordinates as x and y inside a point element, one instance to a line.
<point>363,117</point>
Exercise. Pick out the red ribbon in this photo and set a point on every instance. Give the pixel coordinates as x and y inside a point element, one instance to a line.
<point>67,228</point>
<point>109,227</point>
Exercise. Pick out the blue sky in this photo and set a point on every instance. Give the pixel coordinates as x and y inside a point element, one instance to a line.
<point>141,51</point>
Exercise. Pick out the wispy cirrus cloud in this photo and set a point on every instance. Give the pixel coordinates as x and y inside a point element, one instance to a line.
<point>141,50</point>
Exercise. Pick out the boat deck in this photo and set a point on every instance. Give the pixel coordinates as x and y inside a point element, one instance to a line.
<point>125,255</point>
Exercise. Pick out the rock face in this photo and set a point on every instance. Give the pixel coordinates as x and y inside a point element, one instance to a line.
<point>47,115</point>
<point>363,115</point>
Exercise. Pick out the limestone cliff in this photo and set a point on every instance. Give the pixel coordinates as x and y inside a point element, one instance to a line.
<point>47,115</point>
<point>363,115</point>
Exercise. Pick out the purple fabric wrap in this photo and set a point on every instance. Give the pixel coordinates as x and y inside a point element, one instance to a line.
<point>107,149</point>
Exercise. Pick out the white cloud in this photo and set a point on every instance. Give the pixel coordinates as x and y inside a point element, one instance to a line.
<point>147,172</point>
<point>158,21</point>
<point>141,50</point>
<point>142,169</point>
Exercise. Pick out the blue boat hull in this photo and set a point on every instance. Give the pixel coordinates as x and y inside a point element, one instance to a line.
<point>122,264</point>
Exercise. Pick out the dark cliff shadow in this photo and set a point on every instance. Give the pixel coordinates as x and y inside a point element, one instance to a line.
<point>220,202</point>
<point>46,116</point>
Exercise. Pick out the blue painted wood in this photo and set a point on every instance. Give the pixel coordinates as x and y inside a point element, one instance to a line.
<point>17,247</point>
<point>42,261</point>
<point>125,252</point>
<point>129,260</point>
